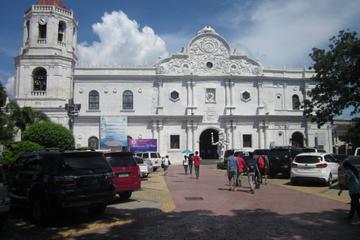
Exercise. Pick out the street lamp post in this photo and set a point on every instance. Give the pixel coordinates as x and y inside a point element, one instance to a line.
<point>72,111</point>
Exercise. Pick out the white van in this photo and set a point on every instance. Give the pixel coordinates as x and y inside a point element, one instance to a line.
<point>154,157</point>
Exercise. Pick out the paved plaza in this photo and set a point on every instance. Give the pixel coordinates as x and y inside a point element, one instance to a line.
<point>177,206</point>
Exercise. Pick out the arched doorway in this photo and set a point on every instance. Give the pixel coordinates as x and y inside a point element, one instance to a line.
<point>297,139</point>
<point>207,150</point>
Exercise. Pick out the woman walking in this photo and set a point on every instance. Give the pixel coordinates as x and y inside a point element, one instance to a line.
<point>353,180</point>
<point>185,163</point>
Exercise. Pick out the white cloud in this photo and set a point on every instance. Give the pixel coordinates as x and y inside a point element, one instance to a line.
<point>10,87</point>
<point>122,43</point>
<point>282,33</point>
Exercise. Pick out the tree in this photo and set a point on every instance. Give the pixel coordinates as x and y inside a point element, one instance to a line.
<point>353,134</point>
<point>14,150</point>
<point>3,96</point>
<point>337,77</point>
<point>25,116</point>
<point>49,135</point>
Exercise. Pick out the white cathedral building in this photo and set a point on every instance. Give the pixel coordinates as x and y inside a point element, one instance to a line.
<point>207,89</point>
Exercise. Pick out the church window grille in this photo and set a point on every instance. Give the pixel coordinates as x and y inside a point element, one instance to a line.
<point>295,102</point>
<point>247,141</point>
<point>39,78</point>
<point>61,31</point>
<point>42,31</point>
<point>128,100</point>
<point>93,142</point>
<point>94,100</point>
<point>174,141</point>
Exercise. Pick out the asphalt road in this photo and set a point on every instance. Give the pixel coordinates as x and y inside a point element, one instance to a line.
<point>178,206</point>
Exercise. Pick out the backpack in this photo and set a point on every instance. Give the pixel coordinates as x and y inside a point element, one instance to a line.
<point>261,162</point>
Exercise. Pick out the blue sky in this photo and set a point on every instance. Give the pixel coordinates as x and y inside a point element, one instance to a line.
<point>278,33</point>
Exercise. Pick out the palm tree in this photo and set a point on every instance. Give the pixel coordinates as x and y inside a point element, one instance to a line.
<point>24,116</point>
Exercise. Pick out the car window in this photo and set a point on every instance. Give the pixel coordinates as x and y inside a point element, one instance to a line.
<point>121,161</point>
<point>139,160</point>
<point>329,158</point>
<point>32,164</point>
<point>84,164</point>
<point>307,159</point>
<point>154,155</point>
<point>145,155</point>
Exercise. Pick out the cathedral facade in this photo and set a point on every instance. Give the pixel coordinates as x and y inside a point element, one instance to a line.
<point>187,101</point>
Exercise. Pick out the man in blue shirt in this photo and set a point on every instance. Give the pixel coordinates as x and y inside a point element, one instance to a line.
<point>232,167</point>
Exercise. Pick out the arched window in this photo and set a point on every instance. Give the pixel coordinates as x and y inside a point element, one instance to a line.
<point>42,30</point>
<point>295,102</point>
<point>297,139</point>
<point>61,31</point>
<point>93,142</point>
<point>93,100</point>
<point>128,100</point>
<point>39,79</point>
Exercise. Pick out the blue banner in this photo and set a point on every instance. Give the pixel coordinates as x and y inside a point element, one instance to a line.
<point>113,132</point>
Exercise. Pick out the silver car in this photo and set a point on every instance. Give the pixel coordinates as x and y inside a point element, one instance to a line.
<point>4,199</point>
<point>145,166</point>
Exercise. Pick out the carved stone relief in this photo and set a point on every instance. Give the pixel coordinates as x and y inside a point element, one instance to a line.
<point>208,55</point>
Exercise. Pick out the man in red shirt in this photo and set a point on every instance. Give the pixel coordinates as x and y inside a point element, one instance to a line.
<point>197,164</point>
<point>241,169</point>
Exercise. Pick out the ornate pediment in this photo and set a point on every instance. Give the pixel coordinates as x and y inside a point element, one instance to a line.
<point>208,54</point>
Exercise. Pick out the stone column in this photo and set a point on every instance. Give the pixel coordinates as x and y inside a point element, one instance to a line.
<point>284,94</point>
<point>265,126</point>
<point>226,94</point>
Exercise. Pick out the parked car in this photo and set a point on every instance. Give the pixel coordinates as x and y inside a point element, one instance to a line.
<point>355,161</point>
<point>314,167</point>
<point>145,166</point>
<point>308,149</point>
<point>49,181</point>
<point>154,157</point>
<point>4,199</point>
<point>357,151</point>
<point>126,173</point>
<point>280,159</point>
<point>258,152</point>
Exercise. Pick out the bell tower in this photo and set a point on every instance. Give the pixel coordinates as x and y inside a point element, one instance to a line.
<point>46,61</point>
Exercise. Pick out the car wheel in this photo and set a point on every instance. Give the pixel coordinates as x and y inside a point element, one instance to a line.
<point>125,195</point>
<point>97,210</point>
<point>155,168</point>
<point>40,214</point>
<point>293,182</point>
<point>330,180</point>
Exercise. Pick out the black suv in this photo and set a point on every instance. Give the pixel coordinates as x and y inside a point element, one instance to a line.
<point>48,181</point>
<point>280,159</point>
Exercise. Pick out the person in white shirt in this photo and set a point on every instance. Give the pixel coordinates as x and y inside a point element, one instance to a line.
<point>186,163</point>
<point>165,164</point>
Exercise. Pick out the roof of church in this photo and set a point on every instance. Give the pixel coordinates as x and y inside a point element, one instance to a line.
<point>57,3</point>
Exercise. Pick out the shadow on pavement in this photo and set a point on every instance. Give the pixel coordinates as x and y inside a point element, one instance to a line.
<point>149,223</point>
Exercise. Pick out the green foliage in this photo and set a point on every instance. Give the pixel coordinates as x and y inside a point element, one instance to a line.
<point>221,165</point>
<point>25,116</point>
<point>13,151</point>
<point>353,134</point>
<point>7,129</point>
<point>49,135</point>
<point>2,95</point>
<point>337,79</point>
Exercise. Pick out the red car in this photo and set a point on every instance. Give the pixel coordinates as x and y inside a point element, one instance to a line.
<point>126,173</point>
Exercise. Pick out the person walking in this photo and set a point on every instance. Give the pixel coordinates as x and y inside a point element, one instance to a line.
<point>232,168</point>
<point>197,160</point>
<point>261,167</point>
<point>252,172</point>
<point>241,169</point>
<point>165,164</point>
<point>185,164</point>
<point>353,180</point>
<point>191,161</point>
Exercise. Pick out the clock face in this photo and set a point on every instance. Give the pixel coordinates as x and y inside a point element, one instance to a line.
<point>42,21</point>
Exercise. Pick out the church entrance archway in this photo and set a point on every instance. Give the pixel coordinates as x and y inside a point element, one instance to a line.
<point>207,150</point>
<point>297,139</point>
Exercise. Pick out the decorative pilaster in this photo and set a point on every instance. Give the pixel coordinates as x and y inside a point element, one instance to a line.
<point>158,85</point>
